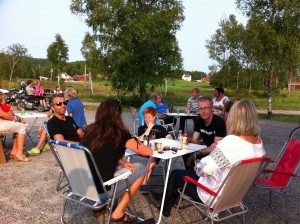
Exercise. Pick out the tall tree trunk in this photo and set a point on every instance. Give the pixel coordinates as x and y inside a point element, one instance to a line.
<point>142,92</point>
<point>250,86</point>
<point>270,77</point>
<point>166,86</point>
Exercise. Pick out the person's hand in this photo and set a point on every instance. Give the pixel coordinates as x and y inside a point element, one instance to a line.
<point>129,166</point>
<point>190,161</point>
<point>213,146</point>
<point>150,125</point>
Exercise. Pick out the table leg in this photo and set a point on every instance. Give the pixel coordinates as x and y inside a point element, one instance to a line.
<point>165,190</point>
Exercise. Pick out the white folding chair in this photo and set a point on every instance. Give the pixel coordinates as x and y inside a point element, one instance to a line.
<point>77,162</point>
<point>227,201</point>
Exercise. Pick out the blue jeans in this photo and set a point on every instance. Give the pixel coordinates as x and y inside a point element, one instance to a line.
<point>176,181</point>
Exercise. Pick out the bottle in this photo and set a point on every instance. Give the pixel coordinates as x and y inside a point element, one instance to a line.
<point>23,111</point>
<point>179,138</point>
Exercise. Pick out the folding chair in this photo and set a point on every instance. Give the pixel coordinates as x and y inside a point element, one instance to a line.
<point>82,189</point>
<point>135,118</point>
<point>227,201</point>
<point>279,177</point>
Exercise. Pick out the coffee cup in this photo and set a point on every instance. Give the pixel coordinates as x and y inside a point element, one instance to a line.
<point>158,147</point>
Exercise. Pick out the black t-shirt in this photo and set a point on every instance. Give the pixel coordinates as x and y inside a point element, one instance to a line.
<point>157,130</point>
<point>107,157</point>
<point>67,128</point>
<point>208,133</point>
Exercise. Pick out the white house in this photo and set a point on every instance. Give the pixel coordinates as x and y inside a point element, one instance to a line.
<point>65,76</point>
<point>187,77</point>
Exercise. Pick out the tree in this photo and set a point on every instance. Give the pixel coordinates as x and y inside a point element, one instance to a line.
<point>136,42</point>
<point>57,53</point>
<point>12,56</point>
<point>271,23</point>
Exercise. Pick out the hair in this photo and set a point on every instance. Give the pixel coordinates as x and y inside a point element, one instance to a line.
<point>219,89</point>
<point>196,89</point>
<point>39,82</point>
<point>153,96</point>
<point>150,110</point>
<point>57,86</point>
<point>55,95</point>
<point>70,93</point>
<point>242,119</point>
<point>228,105</point>
<point>108,124</point>
<point>206,99</point>
<point>29,82</point>
<point>160,95</point>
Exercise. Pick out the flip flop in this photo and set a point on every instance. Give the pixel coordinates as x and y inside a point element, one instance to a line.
<point>12,156</point>
<point>124,219</point>
<point>22,159</point>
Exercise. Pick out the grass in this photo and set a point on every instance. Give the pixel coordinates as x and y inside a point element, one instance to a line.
<point>178,93</point>
<point>281,118</point>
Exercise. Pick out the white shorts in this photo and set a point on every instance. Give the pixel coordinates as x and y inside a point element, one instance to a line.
<point>11,126</point>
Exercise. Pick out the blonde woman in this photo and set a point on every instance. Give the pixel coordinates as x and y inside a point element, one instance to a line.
<point>75,107</point>
<point>242,142</point>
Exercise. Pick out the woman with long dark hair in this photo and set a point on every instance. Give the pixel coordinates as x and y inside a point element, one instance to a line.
<point>108,138</point>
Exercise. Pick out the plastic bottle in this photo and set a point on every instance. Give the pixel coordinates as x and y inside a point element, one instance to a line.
<point>179,138</point>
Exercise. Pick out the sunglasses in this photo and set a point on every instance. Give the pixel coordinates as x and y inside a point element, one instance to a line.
<point>60,103</point>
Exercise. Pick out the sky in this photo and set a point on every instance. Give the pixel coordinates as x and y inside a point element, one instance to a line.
<point>34,23</point>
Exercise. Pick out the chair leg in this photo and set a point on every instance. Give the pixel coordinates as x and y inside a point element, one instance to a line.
<point>63,212</point>
<point>132,201</point>
<point>60,179</point>
<point>180,199</point>
<point>112,201</point>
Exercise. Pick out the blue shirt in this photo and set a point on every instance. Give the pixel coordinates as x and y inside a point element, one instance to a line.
<point>160,109</point>
<point>149,103</point>
<point>76,108</point>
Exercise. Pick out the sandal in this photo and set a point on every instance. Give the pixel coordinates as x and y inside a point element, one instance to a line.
<point>22,159</point>
<point>12,156</point>
<point>124,219</point>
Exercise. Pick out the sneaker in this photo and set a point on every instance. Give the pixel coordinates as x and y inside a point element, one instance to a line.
<point>34,152</point>
<point>46,147</point>
<point>144,189</point>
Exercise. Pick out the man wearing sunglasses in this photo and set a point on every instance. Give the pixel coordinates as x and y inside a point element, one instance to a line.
<point>61,127</point>
<point>210,127</point>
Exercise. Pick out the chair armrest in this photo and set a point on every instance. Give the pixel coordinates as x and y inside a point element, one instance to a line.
<point>122,176</point>
<point>192,181</point>
<point>283,173</point>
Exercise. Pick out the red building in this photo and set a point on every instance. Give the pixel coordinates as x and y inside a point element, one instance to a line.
<point>81,77</point>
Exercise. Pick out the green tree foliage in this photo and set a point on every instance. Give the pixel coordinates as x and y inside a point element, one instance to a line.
<point>57,54</point>
<point>133,42</point>
<point>263,53</point>
<point>12,56</point>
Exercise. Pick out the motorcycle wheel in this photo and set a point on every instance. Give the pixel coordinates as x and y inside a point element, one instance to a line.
<point>41,108</point>
<point>21,105</point>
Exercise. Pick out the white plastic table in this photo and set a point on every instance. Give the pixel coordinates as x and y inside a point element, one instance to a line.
<point>169,155</point>
<point>29,115</point>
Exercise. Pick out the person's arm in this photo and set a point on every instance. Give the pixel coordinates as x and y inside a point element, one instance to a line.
<point>127,165</point>
<point>70,114</point>
<point>211,147</point>
<point>148,130</point>
<point>6,116</point>
<point>139,148</point>
<point>61,138</point>
<point>80,132</point>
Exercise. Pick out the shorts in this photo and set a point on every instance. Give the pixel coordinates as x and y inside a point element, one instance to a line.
<point>139,172</point>
<point>14,127</point>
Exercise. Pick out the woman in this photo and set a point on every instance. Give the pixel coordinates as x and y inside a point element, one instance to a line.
<point>161,108</point>
<point>38,90</point>
<point>8,125</point>
<point>108,138</point>
<point>243,142</point>
<point>154,131</point>
<point>75,107</point>
<point>57,90</point>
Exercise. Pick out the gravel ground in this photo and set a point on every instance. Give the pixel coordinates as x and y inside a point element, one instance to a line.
<point>28,193</point>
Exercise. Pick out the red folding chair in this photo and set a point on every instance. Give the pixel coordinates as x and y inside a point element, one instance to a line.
<point>279,177</point>
<point>227,201</point>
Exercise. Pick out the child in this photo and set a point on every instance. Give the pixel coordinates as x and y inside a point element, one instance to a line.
<point>8,109</point>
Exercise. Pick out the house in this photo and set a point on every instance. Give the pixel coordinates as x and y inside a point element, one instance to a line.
<point>65,76</point>
<point>294,85</point>
<point>205,79</point>
<point>43,78</point>
<point>187,77</point>
<point>81,77</point>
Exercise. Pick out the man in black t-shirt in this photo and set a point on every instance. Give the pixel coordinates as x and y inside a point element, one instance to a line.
<point>61,127</point>
<point>210,127</point>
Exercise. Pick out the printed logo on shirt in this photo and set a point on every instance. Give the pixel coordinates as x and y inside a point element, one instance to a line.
<point>207,132</point>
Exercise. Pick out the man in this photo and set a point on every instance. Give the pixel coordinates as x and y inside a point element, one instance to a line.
<point>150,103</point>
<point>219,101</point>
<point>209,126</point>
<point>61,127</point>
<point>192,107</point>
